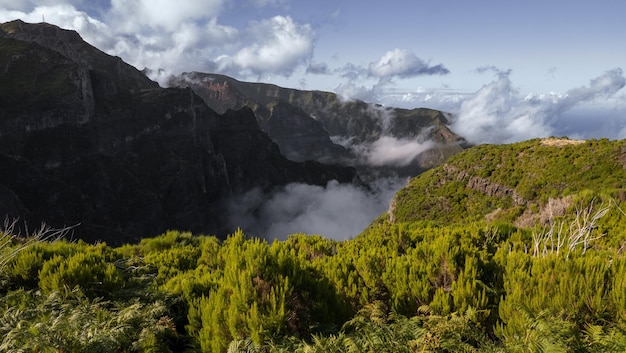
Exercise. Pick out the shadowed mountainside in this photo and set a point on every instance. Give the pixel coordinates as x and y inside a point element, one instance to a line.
<point>321,126</point>
<point>87,139</point>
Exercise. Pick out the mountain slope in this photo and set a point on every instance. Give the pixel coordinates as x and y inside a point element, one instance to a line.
<point>323,117</point>
<point>519,183</point>
<point>87,139</point>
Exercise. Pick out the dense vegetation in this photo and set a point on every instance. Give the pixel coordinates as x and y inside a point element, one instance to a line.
<point>471,277</point>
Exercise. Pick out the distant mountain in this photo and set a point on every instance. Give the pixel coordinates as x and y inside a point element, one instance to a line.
<point>86,138</point>
<point>524,184</point>
<point>321,126</point>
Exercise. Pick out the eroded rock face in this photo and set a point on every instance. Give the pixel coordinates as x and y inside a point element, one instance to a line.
<point>302,123</point>
<point>300,137</point>
<point>87,139</point>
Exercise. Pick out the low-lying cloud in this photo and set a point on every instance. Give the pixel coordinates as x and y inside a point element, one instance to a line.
<point>391,151</point>
<point>387,149</point>
<point>499,113</point>
<point>338,211</point>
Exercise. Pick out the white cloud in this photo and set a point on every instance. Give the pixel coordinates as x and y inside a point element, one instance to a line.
<point>171,37</point>
<point>435,98</point>
<point>397,63</point>
<point>265,3</point>
<point>403,63</point>
<point>498,113</point>
<point>338,211</point>
<point>275,46</point>
<point>64,15</point>
<point>24,5</point>
<point>390,151</point>
<point>350,91</point>
<point>317,68</point>
<point>387,149</point>
<point>135,16</point>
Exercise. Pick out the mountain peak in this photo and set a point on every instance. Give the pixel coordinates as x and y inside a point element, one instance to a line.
<point>71,45</point>
<point>19,29</point>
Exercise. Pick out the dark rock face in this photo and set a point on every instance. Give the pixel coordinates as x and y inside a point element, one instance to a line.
<point>86,138</point>
<point>253,160</point>
<point>303,122</point>
<point>300,137</point>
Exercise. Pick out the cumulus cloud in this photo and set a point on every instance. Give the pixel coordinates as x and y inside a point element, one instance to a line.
<point>352,72</point>
<point>338,211</point>
<point>317,68</point>
<point>64,14</point>
<point>394,64</point>
<point>24,5</point>
<point>403,63</point>
<point>136,16</point>
<point>277,45</point>
<point>172,37</point>
<point>499,113</point>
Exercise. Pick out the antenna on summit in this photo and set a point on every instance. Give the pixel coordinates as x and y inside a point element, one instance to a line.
<point>43,18</point>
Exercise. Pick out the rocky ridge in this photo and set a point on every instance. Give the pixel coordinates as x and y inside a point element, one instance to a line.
<point>305,123</point>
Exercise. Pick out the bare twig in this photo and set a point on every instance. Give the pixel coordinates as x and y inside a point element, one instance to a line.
<point>580,233</point>
<point>8,234</point>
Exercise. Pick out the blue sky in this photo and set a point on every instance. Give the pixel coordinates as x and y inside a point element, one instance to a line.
<point>508,70</point>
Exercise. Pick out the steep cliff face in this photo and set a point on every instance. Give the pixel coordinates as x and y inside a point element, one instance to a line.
<point>300,137</point>
<point>305,123</point>
<point>87,139</point>
<point>297,134</point>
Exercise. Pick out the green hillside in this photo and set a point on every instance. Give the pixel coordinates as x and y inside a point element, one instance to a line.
<point>513,248</point>
<point>517,183</point>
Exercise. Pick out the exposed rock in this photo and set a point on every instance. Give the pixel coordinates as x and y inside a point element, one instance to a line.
<point>491,189</point>
<point>301,138</point>
<point>253,160</point>
<point>308,119</point>
<point>554,208</point>
<point>87,139</point>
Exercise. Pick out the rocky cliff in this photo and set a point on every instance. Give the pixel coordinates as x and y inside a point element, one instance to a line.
<point>87,139</point>
<point>305,123</point>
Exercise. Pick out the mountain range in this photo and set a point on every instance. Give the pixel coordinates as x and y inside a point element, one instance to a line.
<point>316,125</point>
<point>88,140</point>
<point>492,248</point>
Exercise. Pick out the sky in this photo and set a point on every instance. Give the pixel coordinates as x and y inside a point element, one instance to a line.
<point>507,70</point>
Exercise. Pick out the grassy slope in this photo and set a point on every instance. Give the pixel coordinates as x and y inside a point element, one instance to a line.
<point>513,182</point>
